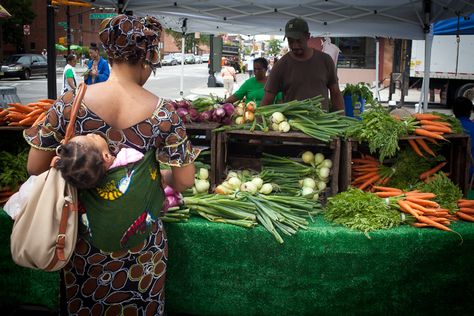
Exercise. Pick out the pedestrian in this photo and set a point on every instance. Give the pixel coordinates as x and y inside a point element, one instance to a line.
<point>44,53</point>
<point>119,263</point>
<point>228,77</point>
<point>253,88</point>
<point>303,72</point>
<point>97,68</point>
<point>69,75</point>
<point>249,63</point>
<point>462,110</point>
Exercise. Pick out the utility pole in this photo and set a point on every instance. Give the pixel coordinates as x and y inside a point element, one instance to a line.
<point>68,31</point>
<point>50,39</point>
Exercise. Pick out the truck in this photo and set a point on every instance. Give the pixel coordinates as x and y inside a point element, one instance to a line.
<point>452,67</point>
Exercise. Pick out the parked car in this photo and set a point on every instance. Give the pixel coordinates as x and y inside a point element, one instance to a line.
<point>189,59</point>
<point>178,57</point>
<point>198,59</point>
<point>169,60</point>
<point>24,66</point>
<point>205,58</point>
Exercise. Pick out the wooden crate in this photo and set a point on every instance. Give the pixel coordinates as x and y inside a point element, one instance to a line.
<point>203,136</point>
<point>456,149</point>
<point>241,149</point>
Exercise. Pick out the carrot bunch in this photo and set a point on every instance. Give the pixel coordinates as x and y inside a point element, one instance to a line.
<point>432,126</point>
<point>25,115</point>
<point>466,210</point>
<point>366,172</point>
<point>418,204</point>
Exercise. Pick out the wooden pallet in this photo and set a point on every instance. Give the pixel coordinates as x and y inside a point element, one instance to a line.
<point>242,149</point>
<point>456,149</point>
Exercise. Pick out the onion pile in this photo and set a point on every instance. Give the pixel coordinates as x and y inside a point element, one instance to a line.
<point>240,181</point>
<point>172,198</point>
<point>311,187</point>
<point>219,113</point>
<point>201,182</point>
<point>245,112</point>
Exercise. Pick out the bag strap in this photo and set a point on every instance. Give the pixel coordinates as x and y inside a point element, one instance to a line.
<point>69,206</point>
<point>81,90</point>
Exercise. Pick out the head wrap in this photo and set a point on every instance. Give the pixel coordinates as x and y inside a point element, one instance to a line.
<point>129,38</point>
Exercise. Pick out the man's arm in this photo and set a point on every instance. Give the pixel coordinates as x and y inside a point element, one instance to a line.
<point>268,98</point>
<point>336,97</point>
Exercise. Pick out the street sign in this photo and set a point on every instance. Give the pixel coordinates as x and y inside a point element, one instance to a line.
<point>101,16</point>
<point>63,24</point>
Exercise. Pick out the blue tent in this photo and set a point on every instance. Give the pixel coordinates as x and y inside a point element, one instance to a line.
<point>450,26</point>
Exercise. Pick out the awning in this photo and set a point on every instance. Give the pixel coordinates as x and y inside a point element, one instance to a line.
<point>450,26</point>
<point>4,13</point>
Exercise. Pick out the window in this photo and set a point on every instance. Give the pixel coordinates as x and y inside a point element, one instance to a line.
<point>32,45</point>
<point>79,18</point>
<point>356,52</point>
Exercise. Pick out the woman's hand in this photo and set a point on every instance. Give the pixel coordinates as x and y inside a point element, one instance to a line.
<point>179,178</point>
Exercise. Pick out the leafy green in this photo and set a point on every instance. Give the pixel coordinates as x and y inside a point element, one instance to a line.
<point>361,210</point>
<point>13,169</point>
<point>404,175</point>
<point>361,90</point>
<point>380,130</point>
<point>447,193</point>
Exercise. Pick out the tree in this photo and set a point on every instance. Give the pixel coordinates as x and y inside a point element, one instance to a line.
<point>274,47</point>
<point>13,27</point>
<point>190,42</point>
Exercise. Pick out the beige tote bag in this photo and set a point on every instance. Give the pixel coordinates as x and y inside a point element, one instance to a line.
<point>45,232</point>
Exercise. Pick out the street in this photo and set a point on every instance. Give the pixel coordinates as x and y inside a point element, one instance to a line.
<point>166,83</point>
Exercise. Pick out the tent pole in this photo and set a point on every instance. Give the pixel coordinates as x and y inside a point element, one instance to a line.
<point>181,83</point>
<point>377,66</point>
<point>51,50</point>
<point>426,74</point>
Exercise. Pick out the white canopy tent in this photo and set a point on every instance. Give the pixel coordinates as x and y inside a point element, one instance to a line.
<point>405,19</point>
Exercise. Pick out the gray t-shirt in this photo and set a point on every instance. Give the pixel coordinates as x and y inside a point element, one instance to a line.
<point>299,80</point>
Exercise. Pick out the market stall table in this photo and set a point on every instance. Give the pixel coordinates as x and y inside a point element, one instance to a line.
<point>219,269</point>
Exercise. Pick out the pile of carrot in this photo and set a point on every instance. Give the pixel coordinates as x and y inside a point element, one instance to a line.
<point>418,204</point>
<point>466,210</point>
<point>25,115</point>
<point>432,127</point>
<point>366,172</point>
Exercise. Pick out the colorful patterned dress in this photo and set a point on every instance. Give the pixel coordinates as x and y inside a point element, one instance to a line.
<point>129,280</point>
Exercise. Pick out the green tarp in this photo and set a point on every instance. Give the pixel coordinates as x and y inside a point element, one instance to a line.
<point>218,269</point>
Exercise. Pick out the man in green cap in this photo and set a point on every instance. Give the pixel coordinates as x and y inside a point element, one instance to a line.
<point>303,72</point>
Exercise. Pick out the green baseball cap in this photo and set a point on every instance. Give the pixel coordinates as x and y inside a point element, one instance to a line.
<point>296,28</point>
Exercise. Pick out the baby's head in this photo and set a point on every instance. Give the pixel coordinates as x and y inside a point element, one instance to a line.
<point>84,160</point>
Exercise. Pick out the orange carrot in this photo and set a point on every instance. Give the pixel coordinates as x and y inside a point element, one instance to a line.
<point>421,195</point>
<point>432,171</point>
<point>465,217</point>
<point>423,145</point>
<point>466,210</point>
<point>420,225</point>
<point>422,202</point>
<point>430,222</point>
<point>40,119</point>
<point>426,116</point>
<point>365,161</point>
<point>369,181</point>
<point>385,194</point>
<point>389,189</point>
<point>35,113</point>
<point>27,121</point>
<point>426,122</point>
<point>424,132</point>
<point>435,128</point>
<point>22,108</point>
<point>415,148</point>
<point>407,208</point>
<point>366,176</point>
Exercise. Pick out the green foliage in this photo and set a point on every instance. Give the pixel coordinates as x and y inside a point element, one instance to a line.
<point>447,193</point>
<point>274,47</point>
<point>404,175</point>
<point>13,169</point>
<point>379,129</point>
<point>13,27</point>
<point>189,40</point>
<point>361,210</point>
<point>361,90</point>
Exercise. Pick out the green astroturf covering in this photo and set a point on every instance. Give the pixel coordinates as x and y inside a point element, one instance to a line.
<point>219,269</point>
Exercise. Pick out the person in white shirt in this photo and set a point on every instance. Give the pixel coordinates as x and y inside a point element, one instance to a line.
<point>229,77</point>
<point>69,75</point>
<point>249,62</point>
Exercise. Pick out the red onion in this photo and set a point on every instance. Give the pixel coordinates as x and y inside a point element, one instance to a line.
<point>229,109</point>
<point>194,115</point>
<point>169,191</point>
<point>227,120</point>
<point>172,201</point>
<point>220,112</point>
<point>206,116</point>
